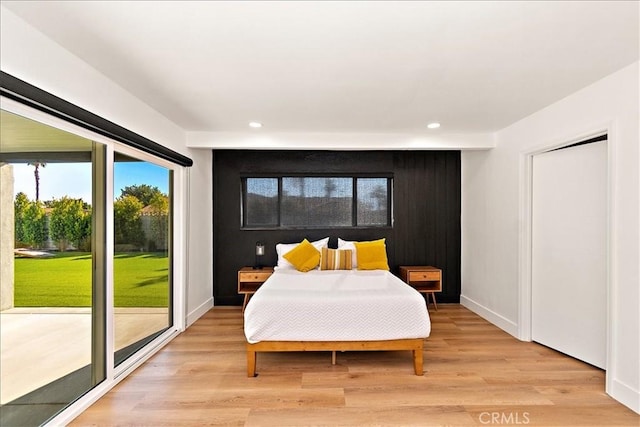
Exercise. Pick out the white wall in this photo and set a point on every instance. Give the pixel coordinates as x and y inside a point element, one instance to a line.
<point>29,55</point>
<point>492,192</point>
<point>200,228</point>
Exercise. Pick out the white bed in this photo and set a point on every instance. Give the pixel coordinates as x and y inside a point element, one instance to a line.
<point>337,310</point>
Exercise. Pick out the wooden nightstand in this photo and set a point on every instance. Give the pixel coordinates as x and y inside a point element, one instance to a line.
<point>425,279</point>
<point>250,279</point>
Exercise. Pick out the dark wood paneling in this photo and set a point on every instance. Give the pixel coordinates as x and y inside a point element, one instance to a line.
<point>426,229</point>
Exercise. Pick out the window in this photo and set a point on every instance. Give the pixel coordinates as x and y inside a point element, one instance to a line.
<point>309,202</point>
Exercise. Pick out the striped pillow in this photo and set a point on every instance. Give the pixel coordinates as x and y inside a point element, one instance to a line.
<point>334,259</point>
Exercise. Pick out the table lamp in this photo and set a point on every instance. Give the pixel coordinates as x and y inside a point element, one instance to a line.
<point>259,254</point>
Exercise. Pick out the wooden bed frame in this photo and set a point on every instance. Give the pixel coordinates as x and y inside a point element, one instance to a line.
<point>415,345</point>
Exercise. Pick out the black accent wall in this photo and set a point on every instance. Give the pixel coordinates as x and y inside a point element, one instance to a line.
<point>426,210</point>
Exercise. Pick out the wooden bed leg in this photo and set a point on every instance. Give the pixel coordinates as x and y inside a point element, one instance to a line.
<point>333,357</point>
<point>417,362</point>
<point>251,363</point>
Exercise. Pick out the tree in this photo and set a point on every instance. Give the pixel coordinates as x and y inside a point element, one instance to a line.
<point>127,210</point>
<point>69,222</point>
<point>302,182</point>
<point>34,225</point>
<point>143,192</point>
<point>20,206</point>
<point>379,193</point>
<point>330,187</point>
<point>36,173</point>
<point>159,224</point>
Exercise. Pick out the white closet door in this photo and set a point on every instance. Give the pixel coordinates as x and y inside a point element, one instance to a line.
<point>569,251</point>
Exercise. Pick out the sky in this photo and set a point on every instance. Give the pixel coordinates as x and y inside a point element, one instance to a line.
<point>74,179</point>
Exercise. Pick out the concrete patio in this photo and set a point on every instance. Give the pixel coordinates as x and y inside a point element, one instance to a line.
<point>40,345</point>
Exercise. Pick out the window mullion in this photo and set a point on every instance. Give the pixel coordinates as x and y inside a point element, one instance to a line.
<point>279,202</point>
<point>354,202</point>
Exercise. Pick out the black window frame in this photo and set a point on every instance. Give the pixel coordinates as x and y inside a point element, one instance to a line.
<point>354,204</point>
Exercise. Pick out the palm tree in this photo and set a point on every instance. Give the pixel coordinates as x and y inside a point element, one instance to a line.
<point>36,173</point>
<point>379,193</point>
<point>330,187</point>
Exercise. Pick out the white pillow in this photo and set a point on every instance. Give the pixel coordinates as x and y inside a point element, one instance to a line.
<point>346,244</point>
<point>283,248</point>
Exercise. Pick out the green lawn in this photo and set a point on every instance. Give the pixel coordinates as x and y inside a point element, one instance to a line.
<point>141,280</point>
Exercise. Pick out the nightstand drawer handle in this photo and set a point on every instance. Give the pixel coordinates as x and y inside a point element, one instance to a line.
<point>424,276</point>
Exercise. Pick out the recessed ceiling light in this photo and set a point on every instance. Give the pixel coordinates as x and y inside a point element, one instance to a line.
<point>255,124</point>
<point>434,125</point>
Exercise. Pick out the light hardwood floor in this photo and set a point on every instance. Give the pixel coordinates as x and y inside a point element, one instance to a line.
<point>475,374</point>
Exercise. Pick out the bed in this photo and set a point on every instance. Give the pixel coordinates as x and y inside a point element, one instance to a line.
<point>335,310</point>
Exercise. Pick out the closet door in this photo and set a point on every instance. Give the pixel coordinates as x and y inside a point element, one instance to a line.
<point>569,251</point>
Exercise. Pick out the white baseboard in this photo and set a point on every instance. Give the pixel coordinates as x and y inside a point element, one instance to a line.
<point>491,316</point>
<point>199,311</point>
<point>625,395</point>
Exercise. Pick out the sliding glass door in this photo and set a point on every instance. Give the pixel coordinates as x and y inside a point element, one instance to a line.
<point>52,328</point>
<point>142,255</point>
<point>86,263</point>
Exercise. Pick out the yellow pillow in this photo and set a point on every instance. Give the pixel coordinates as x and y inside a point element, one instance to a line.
<point>334,259</point>
<point>372,255</point>
<point>304,257</point>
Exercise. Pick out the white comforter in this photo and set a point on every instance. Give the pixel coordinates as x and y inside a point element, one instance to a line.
<point>335,306</point>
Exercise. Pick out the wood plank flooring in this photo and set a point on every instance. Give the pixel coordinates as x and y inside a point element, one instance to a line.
<point>475,374</point>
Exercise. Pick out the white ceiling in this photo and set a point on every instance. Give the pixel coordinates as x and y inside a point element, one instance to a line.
<point>368,67</point>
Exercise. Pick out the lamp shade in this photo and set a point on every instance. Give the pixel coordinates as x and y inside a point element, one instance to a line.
<point>259,254</point>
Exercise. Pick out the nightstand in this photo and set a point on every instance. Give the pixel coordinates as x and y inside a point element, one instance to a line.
<point>425,279</point>
<point>250,279</point>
